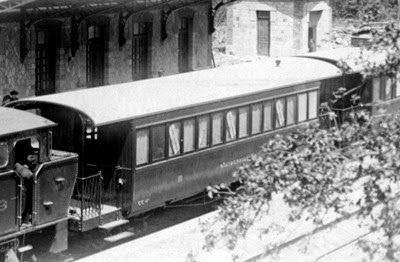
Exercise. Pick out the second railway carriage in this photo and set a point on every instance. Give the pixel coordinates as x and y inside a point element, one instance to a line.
<point>379,95</point>
<point>146,143</point>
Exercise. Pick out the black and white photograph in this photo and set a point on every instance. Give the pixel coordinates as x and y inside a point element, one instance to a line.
<point>200,130</point>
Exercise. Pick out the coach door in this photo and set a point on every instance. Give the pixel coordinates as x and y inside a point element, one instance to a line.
<point>263,33</point>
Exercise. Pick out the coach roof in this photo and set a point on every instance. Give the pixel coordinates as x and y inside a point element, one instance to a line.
<point>15,121</point>
<point>114,103</point>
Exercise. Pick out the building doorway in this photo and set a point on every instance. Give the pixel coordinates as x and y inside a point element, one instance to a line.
<point>95,50</point>
<point>45,58</point>
<point>140,49</point>
<point>183,44</point>
<point>263,33</point>
<point>315,16</point>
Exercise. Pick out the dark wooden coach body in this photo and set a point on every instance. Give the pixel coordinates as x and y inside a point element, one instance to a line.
<point>161,140</point>
<point>379,95</point>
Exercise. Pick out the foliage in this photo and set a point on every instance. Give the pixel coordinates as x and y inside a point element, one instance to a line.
<point>382,57</point>
<point>319,172</point>
<point>365,10</point>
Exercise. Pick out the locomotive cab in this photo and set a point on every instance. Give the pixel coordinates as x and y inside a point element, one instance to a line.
<point>36,181</point>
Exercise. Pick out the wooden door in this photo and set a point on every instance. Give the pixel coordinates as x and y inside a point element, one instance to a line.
<point>95,56</point>
<point>140,50</point>
<point>45,61</point>
<point>263,33</point>
<point>183,45</point>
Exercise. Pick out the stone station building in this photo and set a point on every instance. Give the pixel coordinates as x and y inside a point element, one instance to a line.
<point>60,45</point>
<point>277,27</point>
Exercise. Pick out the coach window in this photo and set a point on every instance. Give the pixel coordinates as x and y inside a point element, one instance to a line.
<point>230,128</point>
<point>388,88</point>
<point>174,132</point>
<point>158,142</point>
<point>256,119</point>
<point>243,122</point>
<point>302,107</point>
<point>267,116</point>
<point>376,87</point>
<point>217,127</point>
<point>280,113</point>
<point>204,131</point>
<point>142,146</point>
<point>188,135</point>
<point>312,104</point>
<point>3,154</point>
<point>290,110</point>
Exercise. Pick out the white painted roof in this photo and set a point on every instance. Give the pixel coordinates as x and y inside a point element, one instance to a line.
<point>351,55</point>
<point>14,121</point>
<point>120,102</point>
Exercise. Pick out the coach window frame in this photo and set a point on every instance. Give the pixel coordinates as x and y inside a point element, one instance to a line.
<point>148,129</point>
<point>152,140</point>
<point>235,138</point>
<point>194,138</point>
<point>298,105</point>
<point>180,140</point>
<point>7,153</point>
<point>294,110</point>
<point>208,142</point>
<point>260,124</point>
<point>247,125</point>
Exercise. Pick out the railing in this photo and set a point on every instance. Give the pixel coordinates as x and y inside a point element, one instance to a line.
<point>87,196</point>
<point>335,117</point>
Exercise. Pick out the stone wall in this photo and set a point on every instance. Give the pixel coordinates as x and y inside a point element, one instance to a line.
<point>288,29</point>
<point>13,73</point>
<point>71,70</point>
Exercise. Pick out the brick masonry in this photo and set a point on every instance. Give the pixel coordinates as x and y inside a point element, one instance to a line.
<point>71,70</point>
<point>289,25</point>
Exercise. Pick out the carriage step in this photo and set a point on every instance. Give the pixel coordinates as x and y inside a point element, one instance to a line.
<point>24,248</point>
<point>118,237</point>
<point>113,224</point>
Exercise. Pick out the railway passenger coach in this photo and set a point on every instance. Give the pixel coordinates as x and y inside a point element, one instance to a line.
<point>379,95</point>
<point>144,144</point>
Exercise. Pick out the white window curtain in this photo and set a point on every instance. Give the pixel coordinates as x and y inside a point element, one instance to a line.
<point>376,88</point>
<point>203,131</point>
<point>231,125</point>
<point>243,122</point>
<point>267,116</point>
<point>142,146</point>
<point>312,104</point>
<point>291,116</point>
<point>217,128</point>
<point>280,114</point>
<point>388,88</point>
<point>188,133</point>
<point>174,139</point>
<point>256,119</point>
<point>302,107</point>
